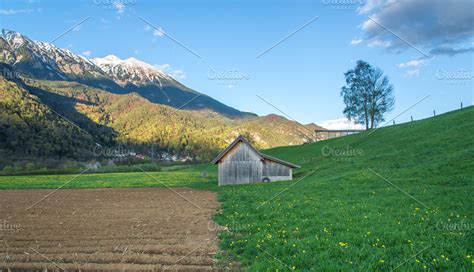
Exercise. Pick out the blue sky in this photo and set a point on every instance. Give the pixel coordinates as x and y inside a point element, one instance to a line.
<point>301,76</point>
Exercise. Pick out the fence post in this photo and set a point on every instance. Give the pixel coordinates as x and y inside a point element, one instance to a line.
<point>411,118</point>
<point>461,105</point>
<point>434,113</point>
<point>394,122</point>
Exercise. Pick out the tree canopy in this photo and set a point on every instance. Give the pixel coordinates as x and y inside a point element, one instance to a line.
<point>368,95</point>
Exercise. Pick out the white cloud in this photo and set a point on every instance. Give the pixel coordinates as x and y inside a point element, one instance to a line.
<point>162,67</point>
<point>356,41</point>
<point>156,32</point>
<point>370,5</point>
<point>342,123</point>
<point>412,73</point>
<point>379,43</point>
<point>412,63</point>
<point>174,73</point>
<point>177,74</point>
<point>87,53</point>
<point>413,66</point>
<point>439,27</point>
<point>119,7</point>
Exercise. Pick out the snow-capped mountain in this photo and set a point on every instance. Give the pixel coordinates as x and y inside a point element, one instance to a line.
<point>131,70</point>
<point>43,59</point>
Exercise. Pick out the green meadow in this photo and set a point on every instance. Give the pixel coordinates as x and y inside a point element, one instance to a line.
<point>395,198</point>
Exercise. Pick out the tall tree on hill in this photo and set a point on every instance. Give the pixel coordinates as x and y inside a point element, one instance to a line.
<point>368,95</point>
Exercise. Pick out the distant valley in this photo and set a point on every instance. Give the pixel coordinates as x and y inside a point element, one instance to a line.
<point>59,105</point>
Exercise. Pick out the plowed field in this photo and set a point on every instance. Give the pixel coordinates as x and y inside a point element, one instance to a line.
<point>108,229</point>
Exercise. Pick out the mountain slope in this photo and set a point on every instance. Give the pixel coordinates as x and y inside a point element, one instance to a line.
<point>128,103</point>
<point>29,129</point>
<point>131,121</point>
<point>45,61</point>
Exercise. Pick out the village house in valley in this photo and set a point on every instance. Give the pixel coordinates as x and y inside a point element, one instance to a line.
<point>241,163</point>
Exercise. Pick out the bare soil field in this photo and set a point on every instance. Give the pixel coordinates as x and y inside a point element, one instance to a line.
<point>108,230</point>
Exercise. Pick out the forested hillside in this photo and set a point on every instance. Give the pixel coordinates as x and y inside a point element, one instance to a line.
<point>126,120</point>
<point>60,105</point>
<point>29,129</point>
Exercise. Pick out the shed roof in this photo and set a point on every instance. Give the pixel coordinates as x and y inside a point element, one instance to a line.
<point>240,138</point>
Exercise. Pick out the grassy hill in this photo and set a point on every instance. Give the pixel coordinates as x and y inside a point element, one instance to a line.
<point>396,198</point>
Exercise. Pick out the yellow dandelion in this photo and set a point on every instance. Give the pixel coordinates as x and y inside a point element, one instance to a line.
<point>342,244</point>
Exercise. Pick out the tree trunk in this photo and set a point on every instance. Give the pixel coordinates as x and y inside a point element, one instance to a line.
<point>366,112</point>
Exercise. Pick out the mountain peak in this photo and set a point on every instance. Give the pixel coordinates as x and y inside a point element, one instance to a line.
<point>130,70</point>
<point>107,60</point>
<point>15,39</point>
<point>112,58</point>
<point>43,60</point>
<point>7,32</point>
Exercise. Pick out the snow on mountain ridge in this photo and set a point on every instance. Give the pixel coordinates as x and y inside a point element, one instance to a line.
<point>61,62</point>
<point>66,62</point>
<point>131,70</point>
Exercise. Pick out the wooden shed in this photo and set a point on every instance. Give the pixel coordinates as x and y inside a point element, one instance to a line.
<point>241,163</point>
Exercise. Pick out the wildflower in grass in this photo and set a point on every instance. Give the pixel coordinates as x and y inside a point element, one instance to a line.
<point>342,244</point>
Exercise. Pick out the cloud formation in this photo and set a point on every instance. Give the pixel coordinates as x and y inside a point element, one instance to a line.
<point>156,32</point>
<point>437,27</point>
<point>87,53</point>
<point>414,63</point>
<point>356,41</point>
<point>119,7</point>
<point>174,73</point>
<point>342,123</point>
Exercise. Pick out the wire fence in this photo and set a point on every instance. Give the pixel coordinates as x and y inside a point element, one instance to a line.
<point>325,134</point>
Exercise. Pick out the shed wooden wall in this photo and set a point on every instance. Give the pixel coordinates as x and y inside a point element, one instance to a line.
<point>276,171</point>
<point>240,165</point>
